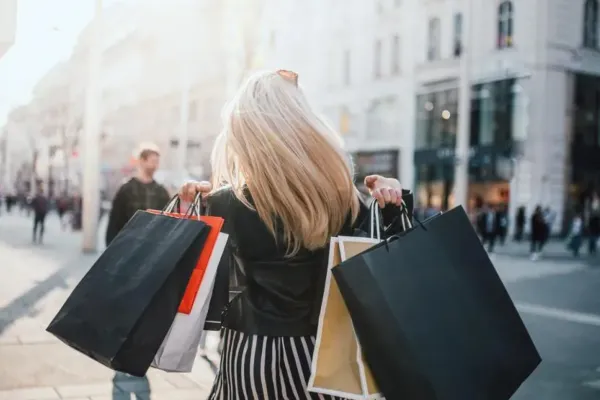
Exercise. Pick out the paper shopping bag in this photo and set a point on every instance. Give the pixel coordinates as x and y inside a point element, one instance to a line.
<point>434,318</point>
<point>122,309</point>
<point>178,351</point>
<point>215,224</point>
<point>337,366</point>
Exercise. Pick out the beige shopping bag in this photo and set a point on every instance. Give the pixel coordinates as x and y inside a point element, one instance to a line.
<point>337,367</point>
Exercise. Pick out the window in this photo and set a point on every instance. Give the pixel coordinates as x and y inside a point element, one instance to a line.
<point>590,24</point>
<point>437,119</point>
<point>377,55</point>
<point>433,47</point>
<point>346,67</point>
<point>505,24</point>
<point>192,110</point>
<point>458,35</point>
<point>396,55</point>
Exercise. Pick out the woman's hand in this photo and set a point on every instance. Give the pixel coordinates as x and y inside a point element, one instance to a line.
<point>188,191</point>
<point>384,190</point>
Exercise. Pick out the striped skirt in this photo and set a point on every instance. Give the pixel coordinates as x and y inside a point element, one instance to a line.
<point>264,368</point>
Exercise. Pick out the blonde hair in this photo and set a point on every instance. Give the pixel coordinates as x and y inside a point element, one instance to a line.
<point>291,161</point>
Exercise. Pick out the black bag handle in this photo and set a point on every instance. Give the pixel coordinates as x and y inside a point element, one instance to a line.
<point>195,209</point>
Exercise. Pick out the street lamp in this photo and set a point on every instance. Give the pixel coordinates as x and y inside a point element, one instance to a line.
<point>91,145</point>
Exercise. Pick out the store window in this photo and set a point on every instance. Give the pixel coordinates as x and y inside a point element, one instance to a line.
<point>587,111</point>
<point>505,24</point>
<point>492,108</point>
<point>590,24</point>
<point>437,119</point>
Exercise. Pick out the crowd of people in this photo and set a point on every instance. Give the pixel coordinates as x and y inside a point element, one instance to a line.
<point>492,224</point>
<point>67,207</point>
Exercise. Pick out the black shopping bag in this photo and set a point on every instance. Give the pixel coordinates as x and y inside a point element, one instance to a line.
<point>121,311</point>
<point>433,317</point>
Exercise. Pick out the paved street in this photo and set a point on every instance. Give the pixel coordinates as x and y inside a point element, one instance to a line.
<point>33,364</point>
<point>559,299</point>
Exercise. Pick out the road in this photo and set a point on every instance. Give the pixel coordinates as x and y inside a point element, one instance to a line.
<point>559,300</point>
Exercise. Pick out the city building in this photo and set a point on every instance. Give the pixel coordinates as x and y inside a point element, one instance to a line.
<point>8,28</point>
<point>351,57</point>
<point>164,75</point>
<point>8,24</point>
<point>534,119</point>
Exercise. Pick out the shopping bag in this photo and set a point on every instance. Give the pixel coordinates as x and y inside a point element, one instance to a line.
<point>215,224</point>
<point>179,349</point>
<point>337,367</point>
<point>433,317</point>
<point>121,311</point>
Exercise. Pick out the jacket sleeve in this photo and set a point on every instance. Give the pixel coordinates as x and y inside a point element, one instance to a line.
<point>219,204</point>
<point>118,215</point>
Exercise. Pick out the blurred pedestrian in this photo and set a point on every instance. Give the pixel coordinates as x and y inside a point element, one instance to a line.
<point>488,226</point>
<point>538,233</point>
<point>141,192</point>
<point>576,235</point>
<point>593,232</point>
<point>76,212</point>
<point>40,205</point>
<point>520,220</point>
<point>549,218</point>
<point>502,220</point>
<point>62,206</point>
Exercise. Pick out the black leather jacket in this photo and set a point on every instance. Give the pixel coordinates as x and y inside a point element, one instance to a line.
<point>273,295</point>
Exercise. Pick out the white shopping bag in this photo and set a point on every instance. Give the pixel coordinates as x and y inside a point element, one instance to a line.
<point>337,366</point>
<point>178,351</point>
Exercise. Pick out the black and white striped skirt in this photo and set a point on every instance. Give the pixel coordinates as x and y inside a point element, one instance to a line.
<point>264,368</point>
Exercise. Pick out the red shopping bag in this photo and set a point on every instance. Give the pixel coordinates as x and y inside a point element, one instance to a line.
<point>216,224</point>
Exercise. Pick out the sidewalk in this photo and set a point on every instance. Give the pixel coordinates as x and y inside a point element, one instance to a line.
<point>554,250</point>
<point>34,365</point>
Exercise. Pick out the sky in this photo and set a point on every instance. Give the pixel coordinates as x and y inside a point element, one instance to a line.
<point>47,31</point>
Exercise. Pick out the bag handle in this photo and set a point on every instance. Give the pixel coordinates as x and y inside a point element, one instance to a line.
<point>195,208</point>
<point>375,226</point>
<point>170,207</point>
<point>405,219</point>
<point>174,205</point>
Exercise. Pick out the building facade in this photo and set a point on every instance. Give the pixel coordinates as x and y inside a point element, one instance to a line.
<point>352,63</point>
<point>533,128</point>
<point>163,70</point>
<point>8,24</point>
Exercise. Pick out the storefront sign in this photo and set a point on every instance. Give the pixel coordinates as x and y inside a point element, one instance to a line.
<point>383,163</point>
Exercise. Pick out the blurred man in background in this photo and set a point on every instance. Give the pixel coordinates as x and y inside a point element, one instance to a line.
<point>40,205</point>
<point>141,192</point>
<point>488,224</point>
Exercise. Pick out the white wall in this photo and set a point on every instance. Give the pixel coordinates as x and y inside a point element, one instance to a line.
<point>8,24</point>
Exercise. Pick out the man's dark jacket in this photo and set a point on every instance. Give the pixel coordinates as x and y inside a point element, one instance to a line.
<point>131,197</point>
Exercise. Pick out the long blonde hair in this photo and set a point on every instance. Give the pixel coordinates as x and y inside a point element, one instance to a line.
<point>291,161</point>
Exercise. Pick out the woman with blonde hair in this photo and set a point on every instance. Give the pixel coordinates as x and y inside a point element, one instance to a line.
<point>284,186</point>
